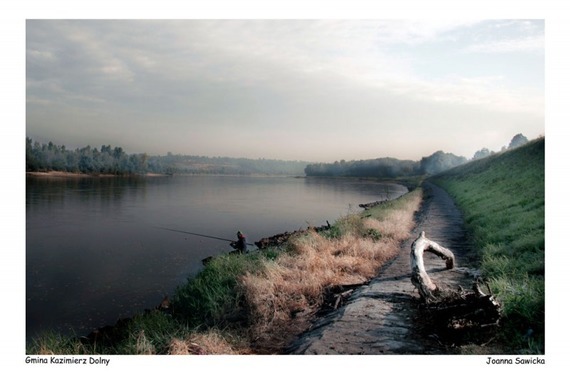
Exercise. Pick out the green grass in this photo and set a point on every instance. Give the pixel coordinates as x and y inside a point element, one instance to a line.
<point>147,333</point>
<point>213,297</point>
<point>502,199</point>
<point>151,333</point>
<point>53,343</point>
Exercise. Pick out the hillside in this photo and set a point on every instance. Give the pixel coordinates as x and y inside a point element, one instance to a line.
<point>502,200</point>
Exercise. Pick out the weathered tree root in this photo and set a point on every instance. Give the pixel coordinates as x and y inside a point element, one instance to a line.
<point>454,316</point>
<point>460,317</point>
<point>426,287</point>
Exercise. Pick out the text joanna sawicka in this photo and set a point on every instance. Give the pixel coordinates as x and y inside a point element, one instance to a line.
<point>517,360</point>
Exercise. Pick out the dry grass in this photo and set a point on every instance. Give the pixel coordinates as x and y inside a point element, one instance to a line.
<point>284,296</point>
<point>211,342</point>
<point>143,345</point>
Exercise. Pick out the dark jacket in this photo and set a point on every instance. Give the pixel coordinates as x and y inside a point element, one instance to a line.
<point>241,243</point>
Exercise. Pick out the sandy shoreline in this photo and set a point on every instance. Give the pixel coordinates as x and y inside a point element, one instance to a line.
<point>60,174</point>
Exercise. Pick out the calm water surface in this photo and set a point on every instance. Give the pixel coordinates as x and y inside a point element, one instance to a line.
<point>97,250</point>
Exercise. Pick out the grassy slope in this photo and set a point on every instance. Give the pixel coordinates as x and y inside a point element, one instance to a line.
<point>502,198</point>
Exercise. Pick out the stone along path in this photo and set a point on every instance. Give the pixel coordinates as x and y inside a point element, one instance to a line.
<point>381,317</point>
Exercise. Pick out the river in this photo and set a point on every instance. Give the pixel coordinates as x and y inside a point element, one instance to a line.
<point>100,249</point>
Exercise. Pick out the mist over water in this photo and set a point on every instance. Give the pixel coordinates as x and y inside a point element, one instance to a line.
<point>98,249</point>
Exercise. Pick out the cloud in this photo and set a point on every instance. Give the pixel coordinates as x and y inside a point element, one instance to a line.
<point>196,86</point>
<point>534,44</point>
<point>482,92</point>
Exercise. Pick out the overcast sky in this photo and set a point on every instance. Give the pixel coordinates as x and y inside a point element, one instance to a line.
<point>321,90</point>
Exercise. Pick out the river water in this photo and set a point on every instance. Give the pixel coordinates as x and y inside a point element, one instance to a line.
<point>101,249</point>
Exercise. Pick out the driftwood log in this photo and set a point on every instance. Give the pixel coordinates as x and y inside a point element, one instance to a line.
<point>335,296</point>
<point>426,287</point>
<point>452,316</point>
<point>368,206</point>
<point>280,239</point>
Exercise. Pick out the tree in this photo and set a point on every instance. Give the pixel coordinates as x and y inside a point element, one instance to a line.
<point>46,157</point>
<point>440,161</point>
<point>31,163</point>
<point>518,140</point>
<point>86,163</point>
<point>482,154</point>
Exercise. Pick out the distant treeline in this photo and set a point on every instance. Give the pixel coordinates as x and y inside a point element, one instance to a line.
<point>114,160</point>
<point>393,168</point>
<point>185,164</point>
<point>107,160</point>
<point>387,167</point>
<point>41,157</point>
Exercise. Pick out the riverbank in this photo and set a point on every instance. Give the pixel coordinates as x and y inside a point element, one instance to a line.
<point>258,303</point>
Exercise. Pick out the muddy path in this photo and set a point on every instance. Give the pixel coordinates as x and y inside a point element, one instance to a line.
<point>382,317</point>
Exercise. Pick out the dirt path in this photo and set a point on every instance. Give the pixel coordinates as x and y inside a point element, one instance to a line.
<point>381,317</point>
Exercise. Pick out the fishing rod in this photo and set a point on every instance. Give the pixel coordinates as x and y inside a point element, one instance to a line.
<point>196,234</point>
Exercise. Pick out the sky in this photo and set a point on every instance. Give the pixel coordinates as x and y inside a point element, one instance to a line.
<point>315,90</point>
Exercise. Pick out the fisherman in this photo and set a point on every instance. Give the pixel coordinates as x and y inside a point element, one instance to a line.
<point>241,243</point>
